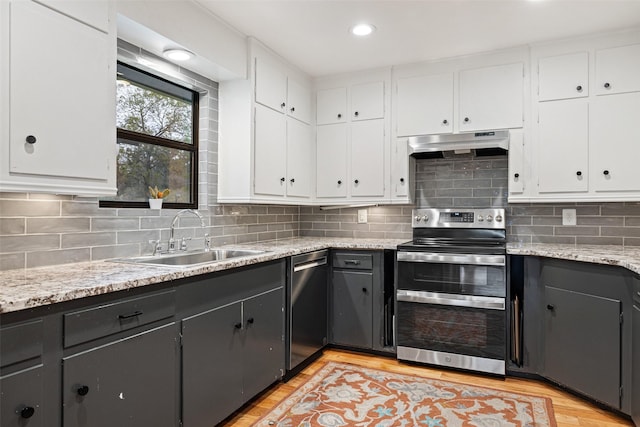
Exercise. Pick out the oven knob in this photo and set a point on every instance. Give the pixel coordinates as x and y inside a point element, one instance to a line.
<point>489,218</point>
<point>425,218</point>
<point>480,218</point>
<point>498,218</point>
<point>418,218</point>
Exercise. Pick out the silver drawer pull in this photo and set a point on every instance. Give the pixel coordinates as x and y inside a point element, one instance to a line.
<point>352,261</point>
<point>130,315</point>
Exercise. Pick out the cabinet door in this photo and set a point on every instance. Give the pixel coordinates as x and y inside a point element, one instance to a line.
<point>271,85</point>
<point>563,146</point>
<point>400,169</point>
<point>617,70</point>
<point>211,365</point>
<point>367,158</point>
<point>635,386</point>
<point>62,99</point>
<point>491,98</point>
<point>331,161</point>
<point>352,308</point>
<point>299,159</point>
<point>298,101</point>
<point>425,105</point>
<point>367,101</point>
<point>614,143</point>
<point>128,383</point>
<point>582,343</point>
<point>563,76</point>
<point>331,106</point>
<point>263,353</point>
<point>21,397</point>
<point>270,158</point>
<point>516,162</point>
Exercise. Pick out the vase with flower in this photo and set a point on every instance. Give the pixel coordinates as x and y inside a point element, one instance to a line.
<point>156,196</point>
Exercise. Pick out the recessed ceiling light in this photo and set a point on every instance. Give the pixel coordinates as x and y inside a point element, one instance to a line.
<point>177,54</point>
<point>362,29</point>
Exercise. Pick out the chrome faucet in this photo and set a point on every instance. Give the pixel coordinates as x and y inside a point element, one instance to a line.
<point>183,245</point>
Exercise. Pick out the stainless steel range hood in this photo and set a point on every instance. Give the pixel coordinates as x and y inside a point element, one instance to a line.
<point>425,146</point>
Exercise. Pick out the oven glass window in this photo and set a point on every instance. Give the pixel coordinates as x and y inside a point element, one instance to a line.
<point>460,330</point>
<point>465,279</point>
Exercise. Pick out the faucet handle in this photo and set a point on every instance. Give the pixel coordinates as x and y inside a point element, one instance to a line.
<point>157,246</point>
<point>183,243</point>
<point>207,242</point>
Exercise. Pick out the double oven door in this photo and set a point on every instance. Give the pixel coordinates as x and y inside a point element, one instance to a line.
<point>451,309</point>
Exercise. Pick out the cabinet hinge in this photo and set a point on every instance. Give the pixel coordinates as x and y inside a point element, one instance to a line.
<point>621,318</point>
<point>180,339</point>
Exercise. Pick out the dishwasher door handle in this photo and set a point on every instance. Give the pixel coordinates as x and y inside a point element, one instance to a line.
<point>311,264</point>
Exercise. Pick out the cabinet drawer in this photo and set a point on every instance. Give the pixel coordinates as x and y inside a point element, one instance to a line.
<point>20,342</point>
<point>352,261</point>
<point>92,323</point>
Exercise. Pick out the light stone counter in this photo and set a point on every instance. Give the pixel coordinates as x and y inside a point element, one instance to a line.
<point>627,257</point>
<point>27,288</point>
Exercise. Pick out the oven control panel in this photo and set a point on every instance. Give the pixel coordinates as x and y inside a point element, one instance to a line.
<point>458,218</point>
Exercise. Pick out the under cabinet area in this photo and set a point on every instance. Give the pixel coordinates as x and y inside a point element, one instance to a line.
<point>59,125</point>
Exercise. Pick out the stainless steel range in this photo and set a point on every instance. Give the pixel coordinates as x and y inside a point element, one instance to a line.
<point>451,290</point>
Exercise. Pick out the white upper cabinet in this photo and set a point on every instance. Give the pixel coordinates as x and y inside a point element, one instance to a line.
<point>270,84</point>
<point>401,166</point>
<point>331,161</point>
<point>368,158</point>
<point>617,70</point>
<point>367,101</point>
<point>424,105</point>
<point>94,12</point>
<point>331,106</point>
<point>61,108</point>
<point>299,159</point>
<point>614,148</point>
<point>563,146</point>
<point>298,101</point>
<point>563,76</point>
<point>517,173</point>
<point>491,98</point>
<point>270,148</point>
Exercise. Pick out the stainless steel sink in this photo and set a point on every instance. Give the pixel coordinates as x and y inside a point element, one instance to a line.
<point>188,259</point>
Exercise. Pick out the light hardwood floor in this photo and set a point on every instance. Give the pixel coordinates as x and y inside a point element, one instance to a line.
<point>570,411</point>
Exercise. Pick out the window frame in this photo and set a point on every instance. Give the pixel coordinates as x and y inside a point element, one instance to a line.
<point>128,135</point>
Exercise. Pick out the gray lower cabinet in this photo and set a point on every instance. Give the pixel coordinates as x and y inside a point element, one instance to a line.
<point>230,354</point>
<point>352,308</point>
<point>130,382</point>
<point>582,343</point>
<point>21,400</point>
<point>21,375</point>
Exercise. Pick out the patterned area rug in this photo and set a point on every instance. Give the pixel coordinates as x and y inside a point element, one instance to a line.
<point>341,394</point>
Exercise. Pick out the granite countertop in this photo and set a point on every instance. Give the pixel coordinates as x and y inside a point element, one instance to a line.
<point>27,288</point>
<point>627,257</point>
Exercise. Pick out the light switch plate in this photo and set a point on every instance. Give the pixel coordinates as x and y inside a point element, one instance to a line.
<point>362,216</point>
<point>568,217</point>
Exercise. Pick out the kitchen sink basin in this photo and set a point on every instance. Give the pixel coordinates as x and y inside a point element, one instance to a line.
<point>187,259</point>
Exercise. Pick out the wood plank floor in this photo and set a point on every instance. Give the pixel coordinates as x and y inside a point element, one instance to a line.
<point>570,411</point>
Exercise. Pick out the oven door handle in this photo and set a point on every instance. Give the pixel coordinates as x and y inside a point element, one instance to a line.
<point>471,301</point>
<point>443,258</point>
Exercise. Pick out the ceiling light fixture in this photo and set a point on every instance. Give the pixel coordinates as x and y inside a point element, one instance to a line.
<point>178,54</point>
<point>362,29</point>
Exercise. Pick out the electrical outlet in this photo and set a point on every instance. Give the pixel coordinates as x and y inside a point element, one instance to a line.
<point>568,217</point>
<point>362,216</point>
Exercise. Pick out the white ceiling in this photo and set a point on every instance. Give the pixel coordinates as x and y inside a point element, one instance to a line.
<point>313,34</point>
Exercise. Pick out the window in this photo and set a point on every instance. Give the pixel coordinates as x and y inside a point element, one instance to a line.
<point>158,141</point>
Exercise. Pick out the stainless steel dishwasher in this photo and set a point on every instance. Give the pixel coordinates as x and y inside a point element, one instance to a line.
<point>307,298</point>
